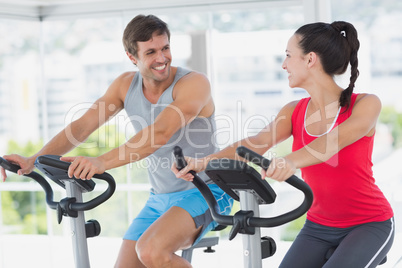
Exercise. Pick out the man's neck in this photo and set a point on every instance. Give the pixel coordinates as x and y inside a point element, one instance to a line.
<point>154,89</point>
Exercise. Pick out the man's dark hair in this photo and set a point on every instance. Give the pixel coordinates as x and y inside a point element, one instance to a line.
<point>141,29</point>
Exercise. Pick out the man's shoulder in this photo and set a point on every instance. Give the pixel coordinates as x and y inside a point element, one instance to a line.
<point>121,84</point>
<point>124,80</point>
<point>126,76</point>
<point>191,76</point>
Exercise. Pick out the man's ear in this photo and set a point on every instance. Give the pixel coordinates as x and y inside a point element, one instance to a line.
<point>131,57</point>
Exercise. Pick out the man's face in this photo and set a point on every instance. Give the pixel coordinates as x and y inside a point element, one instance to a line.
<point>154,58</point>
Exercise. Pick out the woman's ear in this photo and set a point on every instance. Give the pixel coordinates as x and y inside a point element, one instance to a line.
<point>312,59</point>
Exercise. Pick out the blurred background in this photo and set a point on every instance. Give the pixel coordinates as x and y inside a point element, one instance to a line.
<point>57,57</point>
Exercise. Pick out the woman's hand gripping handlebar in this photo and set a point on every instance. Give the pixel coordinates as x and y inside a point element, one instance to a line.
<point>243,221</point>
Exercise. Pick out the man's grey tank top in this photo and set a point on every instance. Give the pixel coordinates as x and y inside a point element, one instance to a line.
<point>197,139</point>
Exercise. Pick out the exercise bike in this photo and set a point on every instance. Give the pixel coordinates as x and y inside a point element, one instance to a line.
<point>72,206</point>
<point>243,183</point>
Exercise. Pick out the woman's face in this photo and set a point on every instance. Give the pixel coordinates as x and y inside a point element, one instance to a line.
<point>295,63</point>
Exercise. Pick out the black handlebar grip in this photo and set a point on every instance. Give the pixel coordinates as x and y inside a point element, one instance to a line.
<point>253,157</point>
<point>180,161</point>
<point>9,166</point>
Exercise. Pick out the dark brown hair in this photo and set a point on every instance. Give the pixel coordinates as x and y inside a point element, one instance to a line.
<point>336,45</point>
<point>141,29</point>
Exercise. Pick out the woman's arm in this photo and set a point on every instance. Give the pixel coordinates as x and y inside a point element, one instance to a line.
<point>361,123</point>
<point>275,132</point>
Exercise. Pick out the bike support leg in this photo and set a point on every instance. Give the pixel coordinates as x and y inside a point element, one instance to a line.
<point>251,243</point>
<point>78,234</point>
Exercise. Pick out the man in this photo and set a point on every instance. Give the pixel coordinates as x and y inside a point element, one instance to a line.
<point>167,106</point>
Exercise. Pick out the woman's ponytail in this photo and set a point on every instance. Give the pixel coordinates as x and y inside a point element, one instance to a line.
<point>348,31</point>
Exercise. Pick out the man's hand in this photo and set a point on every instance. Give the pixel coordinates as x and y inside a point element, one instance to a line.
<point>194,164</point>
<point>84,168</point>
<point>26,164</point>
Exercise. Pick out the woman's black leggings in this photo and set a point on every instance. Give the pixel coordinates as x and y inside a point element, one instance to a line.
<point>359,246</point>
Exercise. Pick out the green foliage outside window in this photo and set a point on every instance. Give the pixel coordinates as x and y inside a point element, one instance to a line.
<point>393,119</point>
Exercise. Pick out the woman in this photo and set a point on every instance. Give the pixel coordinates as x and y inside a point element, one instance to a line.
<point>333,133</point>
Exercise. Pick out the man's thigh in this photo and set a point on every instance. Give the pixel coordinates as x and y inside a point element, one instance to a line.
<point>174,230</point>
<point>175,214</point>
<point>169,217</point>
<point>152,210</point>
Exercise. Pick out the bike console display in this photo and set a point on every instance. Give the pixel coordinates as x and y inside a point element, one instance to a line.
<point>233,176</point>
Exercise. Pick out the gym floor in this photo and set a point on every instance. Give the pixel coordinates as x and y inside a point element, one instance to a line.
<point>50,252</point>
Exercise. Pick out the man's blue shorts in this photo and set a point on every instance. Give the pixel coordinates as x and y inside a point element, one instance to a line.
<point>191,200</point>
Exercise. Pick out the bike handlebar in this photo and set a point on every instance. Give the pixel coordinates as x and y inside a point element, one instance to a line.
<point>62,165</point>
<point>292,180</point>
<point>35,176</point>
<point>251,221</point>
<point>83,206</point>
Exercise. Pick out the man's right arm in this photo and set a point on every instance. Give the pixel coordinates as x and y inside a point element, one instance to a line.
<point>79,130</point>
